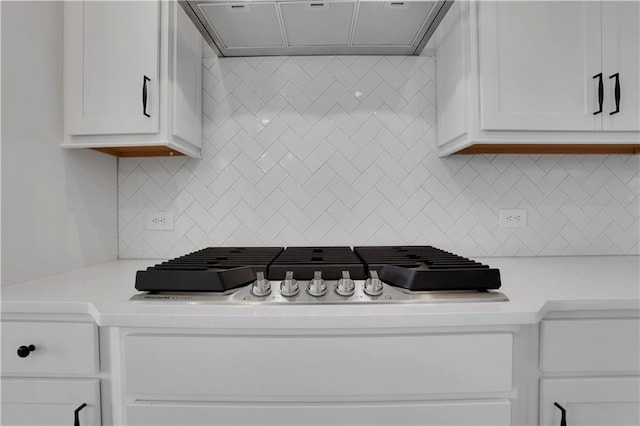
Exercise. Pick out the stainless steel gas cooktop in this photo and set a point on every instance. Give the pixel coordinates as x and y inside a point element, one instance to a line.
<point>319,275</point>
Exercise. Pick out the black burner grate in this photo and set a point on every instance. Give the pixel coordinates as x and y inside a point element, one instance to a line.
<point>211,269</point>
<point>426,268</point>
<point>304,261</point>
<point>415,268</point>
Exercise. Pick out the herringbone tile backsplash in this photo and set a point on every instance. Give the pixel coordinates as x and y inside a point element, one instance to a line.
<point>341,150</point>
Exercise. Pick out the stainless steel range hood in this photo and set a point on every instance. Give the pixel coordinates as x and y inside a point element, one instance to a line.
<point>335,27</point>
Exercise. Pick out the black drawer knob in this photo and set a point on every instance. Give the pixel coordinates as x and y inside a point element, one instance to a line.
<point>24,351</point>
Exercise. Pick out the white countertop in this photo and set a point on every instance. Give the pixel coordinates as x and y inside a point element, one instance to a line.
<point>534,286</point>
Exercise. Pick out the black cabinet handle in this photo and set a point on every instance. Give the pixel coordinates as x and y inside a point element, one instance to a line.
<point>76,418</point>
<point>145,80</point>
<point>617,92</point>
<point>563,418</point>
<point>600,92</point>
<point>24,351</point>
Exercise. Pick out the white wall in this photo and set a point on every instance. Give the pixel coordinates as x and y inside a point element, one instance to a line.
<point>0,150</point>
<point>58,206</point>
<point>341,150</point>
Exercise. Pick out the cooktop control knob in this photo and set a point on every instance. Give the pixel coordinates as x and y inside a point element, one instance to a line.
<point>345,286</point>
<point>373,285</point>
<point>261,286</point>
<point>317,286</point>
<point>289,286</point>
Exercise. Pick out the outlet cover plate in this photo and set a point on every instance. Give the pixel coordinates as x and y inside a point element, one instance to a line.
<point>513,218</point>
<point>160,221</point>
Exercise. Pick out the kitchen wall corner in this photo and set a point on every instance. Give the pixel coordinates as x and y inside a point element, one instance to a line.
<point>58,207</point>
<point>341,150</point>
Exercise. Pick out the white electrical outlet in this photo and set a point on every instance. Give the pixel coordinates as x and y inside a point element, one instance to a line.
<point>513,218</point>
<point>160,221</point>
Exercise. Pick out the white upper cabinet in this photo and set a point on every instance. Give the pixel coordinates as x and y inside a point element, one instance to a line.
<point>187,81</point>
<point>112,58</point>
<point>539,77</point>
<point>621,64</point>
<point>132,78</point>
<point>538,61</point>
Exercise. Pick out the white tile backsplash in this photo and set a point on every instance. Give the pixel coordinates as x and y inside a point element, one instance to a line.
<point>341,150</point>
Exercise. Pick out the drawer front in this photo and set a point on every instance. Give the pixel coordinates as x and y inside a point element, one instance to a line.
<point>598,401</point>
<point>50,402</point>
<point>484,413</point>
<point>60,348</point>
<point>584,346</point>
<point>322,367</point>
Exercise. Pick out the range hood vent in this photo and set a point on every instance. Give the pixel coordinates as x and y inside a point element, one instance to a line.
<point>336,27</point>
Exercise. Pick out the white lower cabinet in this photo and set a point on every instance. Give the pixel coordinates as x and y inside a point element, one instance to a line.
<point>323,367</point>
<point>57,348</point>
<point>480,413</point>
<point>50,402</point>
<point>49,370</point>
<point>191,377</point>
<point>604,346</point>
<point>590,368</point>
<point>601,401</point>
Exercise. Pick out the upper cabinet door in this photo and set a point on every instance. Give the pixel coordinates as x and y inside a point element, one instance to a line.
<point>111,75</point>
<point>538,60</point>
<point>621,64</point>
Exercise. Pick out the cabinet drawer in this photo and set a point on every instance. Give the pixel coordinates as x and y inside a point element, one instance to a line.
<point>600,401</point>
<point>590,345</point>
<point>50,402</point>
<point>459,413</point>
<point>328,368</point>
<point>60,348</point>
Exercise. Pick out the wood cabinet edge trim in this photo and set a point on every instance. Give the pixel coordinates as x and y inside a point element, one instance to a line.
<point>140,151</point>
<point>489,148</point>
